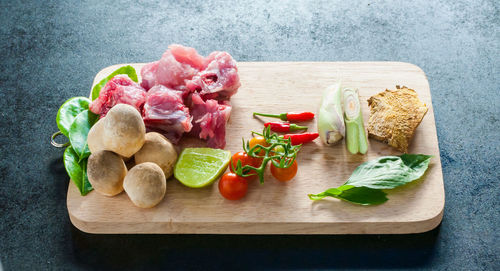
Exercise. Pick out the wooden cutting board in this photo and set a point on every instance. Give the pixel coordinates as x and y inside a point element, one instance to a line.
<point>284,208</point>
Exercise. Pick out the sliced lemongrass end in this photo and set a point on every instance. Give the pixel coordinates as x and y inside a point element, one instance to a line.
<point>356,140</point>
<point>351,104</point>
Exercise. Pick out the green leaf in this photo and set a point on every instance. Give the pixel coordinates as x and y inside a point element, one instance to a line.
<point>358,195</point>
<point>128,70</point>
<point>331,192</point>
<point>362,195</point>
<point>77,171</point>
<point>78,133</point>
<point>389,172</point>
<point>367,181</point>
<point>68,112</point>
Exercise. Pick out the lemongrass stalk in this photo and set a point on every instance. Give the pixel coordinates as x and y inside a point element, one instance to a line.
<point>356,140</point>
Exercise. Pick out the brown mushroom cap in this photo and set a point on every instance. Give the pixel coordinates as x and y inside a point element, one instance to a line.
<point>124,130</point>
<point>145,185</point>
<point>106,171</point>
<point>94,138</point>
<point>159,150</point>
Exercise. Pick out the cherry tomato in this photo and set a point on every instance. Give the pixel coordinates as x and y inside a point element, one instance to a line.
<point>232,186</point>
<point>245,160</point>
<point>284,174</point>
<point>260,140</point>
<point>278,150</point>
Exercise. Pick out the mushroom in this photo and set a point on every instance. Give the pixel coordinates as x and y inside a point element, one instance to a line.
<point>145,185</point>
<point>122,131</point>
<point>94,138</point>
<point>159,150</point>
<point>106,171</point>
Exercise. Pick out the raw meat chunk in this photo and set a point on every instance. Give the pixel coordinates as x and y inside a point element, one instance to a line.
<point>209,120</point>
<point>172,73</point>
<point>205,85</point>
<point>187,55</point>
<point>176,65</point>
<point>119,90</point>
<point>148,74</point>
<point>165,112</point>
<point>219,80</point>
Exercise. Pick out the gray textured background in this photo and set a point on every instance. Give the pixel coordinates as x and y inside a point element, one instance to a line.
<point>50,51</point>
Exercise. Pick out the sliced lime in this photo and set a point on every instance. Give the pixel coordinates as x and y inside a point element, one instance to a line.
<point>199,167</point>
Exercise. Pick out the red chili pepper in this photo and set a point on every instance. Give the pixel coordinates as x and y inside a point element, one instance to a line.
<point>304,116</point>
<point>301,138</point>
<point>283,127</point>
<point>293,117</point>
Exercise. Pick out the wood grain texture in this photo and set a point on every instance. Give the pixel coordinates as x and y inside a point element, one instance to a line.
<point>284,208</point>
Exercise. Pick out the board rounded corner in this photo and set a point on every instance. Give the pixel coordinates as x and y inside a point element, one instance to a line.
<point>79,224</point>
<point>101,74</point>
<point>431,222</point>
<point>436,221</point>
<point>77,221</point>
<point>415,66</point>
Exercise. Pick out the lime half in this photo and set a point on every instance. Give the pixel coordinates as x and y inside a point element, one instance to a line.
<point>199,167</point>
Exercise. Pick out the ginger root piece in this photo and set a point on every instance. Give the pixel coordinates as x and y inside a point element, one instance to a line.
<point>394,116</point>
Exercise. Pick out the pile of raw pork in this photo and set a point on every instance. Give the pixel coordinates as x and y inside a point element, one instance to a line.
<point>182,92</point>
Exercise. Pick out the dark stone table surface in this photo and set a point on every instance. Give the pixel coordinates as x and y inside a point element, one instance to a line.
<point>51,50</point>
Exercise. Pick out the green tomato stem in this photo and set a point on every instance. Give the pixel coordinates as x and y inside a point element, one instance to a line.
<point>285,158</point>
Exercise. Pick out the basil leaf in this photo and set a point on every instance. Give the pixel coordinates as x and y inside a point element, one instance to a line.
<point>367,181</point>
<point>358,195</point>
<point>128,70</point>
<point>389,172</point>
<point>77,171</point>
<point>68,112</point>
<point>362,195</point>
<point>78,133</point>
<point>331,192</point>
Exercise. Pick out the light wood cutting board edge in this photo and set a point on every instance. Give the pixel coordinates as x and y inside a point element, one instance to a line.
<point>417,226</point>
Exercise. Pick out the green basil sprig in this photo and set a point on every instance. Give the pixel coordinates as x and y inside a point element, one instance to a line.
<point>128,70</point>
<point>367,181</point>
